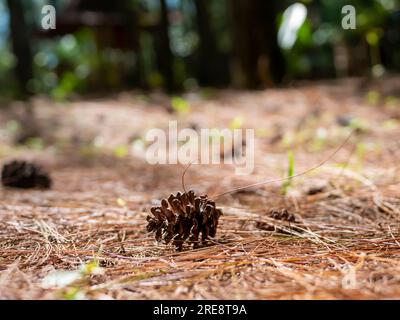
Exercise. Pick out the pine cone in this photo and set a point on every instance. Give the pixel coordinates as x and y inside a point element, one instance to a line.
<point>25,175</point>
<point>183,217</point>
<point>283,215</point>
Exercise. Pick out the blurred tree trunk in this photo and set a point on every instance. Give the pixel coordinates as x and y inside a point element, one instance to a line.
<point>136,76</point>
<point>268,11</point>
<point>258,60</point>
<point>245,44</point>
<point>21,45</point>
<point>208,55</point>
<point>164,54</point>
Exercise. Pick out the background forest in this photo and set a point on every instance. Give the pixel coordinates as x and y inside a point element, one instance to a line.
<point>182,45</point>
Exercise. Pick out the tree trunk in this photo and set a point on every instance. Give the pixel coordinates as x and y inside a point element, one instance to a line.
<point>21,45</point>
<point>136,76</point>
<point>258,60</point>
<point>276,63</point>
<point>165,58</point>
<point>207,54</point>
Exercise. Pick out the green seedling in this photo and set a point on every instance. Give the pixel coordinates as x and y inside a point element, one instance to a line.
<point>289,182</point>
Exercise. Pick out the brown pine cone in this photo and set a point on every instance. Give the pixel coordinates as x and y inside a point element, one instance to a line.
<point>25,175</point>
<point>183,217</point>
<point>283,215</point>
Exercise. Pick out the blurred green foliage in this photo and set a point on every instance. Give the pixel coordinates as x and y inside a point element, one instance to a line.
<point>377,26</point>
<point>75,63</point>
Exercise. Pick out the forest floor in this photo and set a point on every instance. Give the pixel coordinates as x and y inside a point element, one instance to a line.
<point>87,238</point>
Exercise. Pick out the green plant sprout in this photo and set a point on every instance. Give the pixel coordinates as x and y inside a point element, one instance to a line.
<point>288,183</point>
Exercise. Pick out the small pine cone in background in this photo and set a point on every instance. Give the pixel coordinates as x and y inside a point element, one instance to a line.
<point>24,175</point>
<point>183,217</point>
<point>283,215</point>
